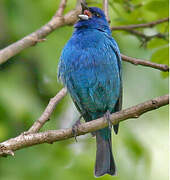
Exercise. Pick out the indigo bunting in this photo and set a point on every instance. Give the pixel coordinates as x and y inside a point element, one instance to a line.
<point>90,68</point>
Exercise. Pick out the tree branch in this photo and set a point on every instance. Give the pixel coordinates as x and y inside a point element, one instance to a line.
<point>134,26</point>
<point>37,36</point>
<point>145,37</point>
<point>47,112</point>
<point>61,8</point>
<point>142,62</point>
<point>106,9</point>
<point>8,147</point>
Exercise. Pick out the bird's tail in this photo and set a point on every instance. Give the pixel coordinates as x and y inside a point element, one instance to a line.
<point>104,158</point>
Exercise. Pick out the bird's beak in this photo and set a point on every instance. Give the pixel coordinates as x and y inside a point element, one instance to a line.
<point>84,16</point>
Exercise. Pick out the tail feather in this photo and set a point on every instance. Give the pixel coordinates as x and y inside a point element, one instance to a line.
<point>104,159</point>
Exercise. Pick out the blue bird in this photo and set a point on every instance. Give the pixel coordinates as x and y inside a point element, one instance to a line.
<point>90,68</point>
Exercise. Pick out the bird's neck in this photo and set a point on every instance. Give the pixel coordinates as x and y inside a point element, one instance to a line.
<point>89,29</point>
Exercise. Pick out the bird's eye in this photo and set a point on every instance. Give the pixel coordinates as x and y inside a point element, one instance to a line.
<point>96,14</point>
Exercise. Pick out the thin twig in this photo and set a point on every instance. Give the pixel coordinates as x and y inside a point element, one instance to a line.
<point>37,36</point>
<point>146,37</point>
<point>106,9</point>
<point>142,62</point>
<point>47,112</point>
<point>8,147</point>
<point>134,26</point>
<point>61,8</point>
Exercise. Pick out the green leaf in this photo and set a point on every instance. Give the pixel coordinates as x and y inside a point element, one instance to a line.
<point>156,42</point>
<point>161,56</point>
<point>159,7</point>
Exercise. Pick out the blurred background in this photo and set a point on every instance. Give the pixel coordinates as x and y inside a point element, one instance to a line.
<point>29,80</point>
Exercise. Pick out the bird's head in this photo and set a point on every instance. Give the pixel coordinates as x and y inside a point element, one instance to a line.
<point>92,17</point>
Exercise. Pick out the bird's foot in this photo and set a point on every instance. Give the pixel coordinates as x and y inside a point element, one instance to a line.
<point>107,117</point>
<point>75,128</point>
<point>93,134</point>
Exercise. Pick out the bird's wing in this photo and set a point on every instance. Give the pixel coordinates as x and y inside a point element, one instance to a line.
<point>118,105</point>
<point>117,52</point>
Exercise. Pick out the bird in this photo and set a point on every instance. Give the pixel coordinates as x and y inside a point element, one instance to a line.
<point>90,68</point>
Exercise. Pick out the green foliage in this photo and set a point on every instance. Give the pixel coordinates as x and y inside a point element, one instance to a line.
<point>135,12</point>
<point>160,7</point>
<point>161,56</point>
<point>29,80</point>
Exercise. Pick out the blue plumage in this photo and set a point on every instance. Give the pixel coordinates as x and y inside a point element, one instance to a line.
<point>90,68</point>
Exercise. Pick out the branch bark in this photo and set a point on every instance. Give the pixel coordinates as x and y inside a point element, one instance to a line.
<point>134,26</point>
<point>25,140</point>
<point>106,9</point>
<point>61,8</point>
<point>147,37</point>
<point>47,112</point>
<point>135,61</point>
